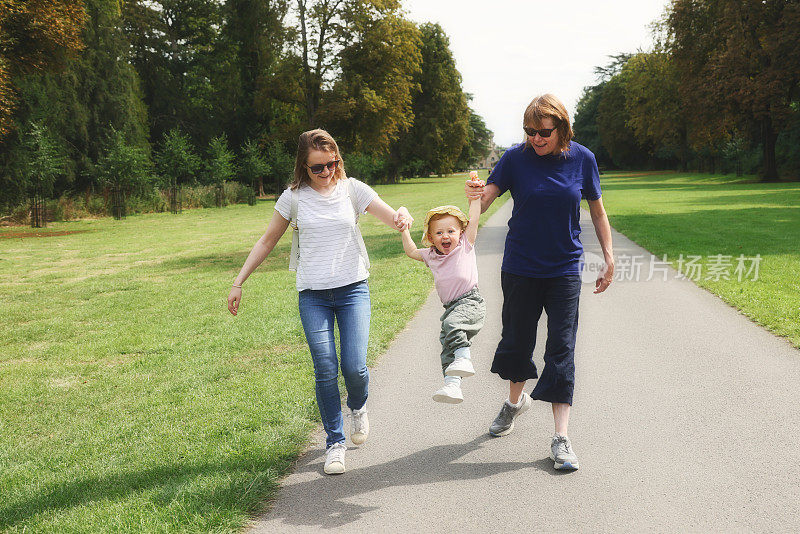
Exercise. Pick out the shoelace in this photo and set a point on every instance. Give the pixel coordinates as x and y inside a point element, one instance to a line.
<point>358,422</point>
<point>564,444</point>
<point>336,453</point>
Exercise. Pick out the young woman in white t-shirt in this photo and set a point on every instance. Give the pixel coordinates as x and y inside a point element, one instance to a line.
<point>331,279</point>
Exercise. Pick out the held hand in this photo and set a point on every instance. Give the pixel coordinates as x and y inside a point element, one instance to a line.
<point>474,188</point>
<point>605,278</point>
<point>403,219</point>
<point>234,298</point>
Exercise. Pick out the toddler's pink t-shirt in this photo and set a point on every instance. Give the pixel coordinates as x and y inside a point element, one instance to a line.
<point>453,274</point>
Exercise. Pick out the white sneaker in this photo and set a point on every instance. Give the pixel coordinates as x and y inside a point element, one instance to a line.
<point>334,459</point>
<point>359,426</point>
<point>449,394</point>
<point>460,367</point>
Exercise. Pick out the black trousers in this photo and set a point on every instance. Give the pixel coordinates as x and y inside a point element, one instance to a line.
<point>524,299</point>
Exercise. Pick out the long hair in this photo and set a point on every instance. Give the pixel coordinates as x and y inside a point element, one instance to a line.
<point>314,140</point>
<point>548,106</point>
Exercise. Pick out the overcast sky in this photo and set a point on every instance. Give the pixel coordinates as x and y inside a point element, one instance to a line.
<point>510,51</point>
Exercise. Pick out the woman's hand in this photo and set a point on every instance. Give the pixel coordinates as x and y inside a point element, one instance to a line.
<point>234,298</point>
<point>403,219</point>
<point>605,278</point>
<point>474,188</point>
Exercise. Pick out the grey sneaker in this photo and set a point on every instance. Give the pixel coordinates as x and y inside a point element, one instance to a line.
<point>359,429</point>
<point>562,454</point>
<point>334,459</point>
<point>503,424</point>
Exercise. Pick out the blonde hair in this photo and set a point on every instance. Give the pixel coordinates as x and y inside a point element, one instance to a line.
<point>549,106</point>
<point>314,140</point>
<point>442,216</point>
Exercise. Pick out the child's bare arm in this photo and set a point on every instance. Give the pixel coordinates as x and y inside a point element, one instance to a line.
<point>474,219</point>
<point>409,246</point>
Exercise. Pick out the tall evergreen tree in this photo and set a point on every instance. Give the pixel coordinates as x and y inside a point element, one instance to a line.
<point>94,93</point>
<point>441,114</point>
<point>35,35</point>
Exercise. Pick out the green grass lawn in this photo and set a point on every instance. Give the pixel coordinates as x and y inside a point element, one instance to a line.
<point>131,400</point>
<point>705,215</point>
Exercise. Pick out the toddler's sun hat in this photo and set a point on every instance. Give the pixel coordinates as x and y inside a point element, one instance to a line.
<point>442,210</point>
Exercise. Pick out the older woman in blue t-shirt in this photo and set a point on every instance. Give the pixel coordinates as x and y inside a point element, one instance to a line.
<point>547,176</point>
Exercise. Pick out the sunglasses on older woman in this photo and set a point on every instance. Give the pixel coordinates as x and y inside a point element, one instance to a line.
<point>543,132</point>
<point>317,169</point>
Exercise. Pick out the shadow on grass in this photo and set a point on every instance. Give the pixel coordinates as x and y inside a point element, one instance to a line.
<point>242,487</point>
<point>334,507</point>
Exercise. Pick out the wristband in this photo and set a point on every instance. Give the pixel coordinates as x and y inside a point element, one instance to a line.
<point>234,285</point>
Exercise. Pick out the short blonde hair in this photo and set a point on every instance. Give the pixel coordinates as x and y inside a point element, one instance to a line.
<point>314,140</point>
<point>549,106</point>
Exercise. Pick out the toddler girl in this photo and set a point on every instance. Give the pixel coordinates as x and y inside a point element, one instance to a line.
<point>450,238</point>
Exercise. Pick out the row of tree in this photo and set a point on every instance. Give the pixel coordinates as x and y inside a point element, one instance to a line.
<point>96,80</point>
<point>719,91</point>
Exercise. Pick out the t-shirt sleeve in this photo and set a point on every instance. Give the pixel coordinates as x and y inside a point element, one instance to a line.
<point>591,178</point>
<point>426,255</point>
<point>501,177</point>
<point>284,204</point>
<point>364,194</point>
<point>465,243</point>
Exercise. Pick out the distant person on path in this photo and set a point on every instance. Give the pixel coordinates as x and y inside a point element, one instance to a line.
<point>450,254</point>
<point>547,176</point>
<point>332,270</point>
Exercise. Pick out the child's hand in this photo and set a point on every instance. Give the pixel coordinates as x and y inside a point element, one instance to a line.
<point>403,219</point>
<point>474,186</point>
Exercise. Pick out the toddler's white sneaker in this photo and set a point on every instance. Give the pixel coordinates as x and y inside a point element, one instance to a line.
<point>460,367</point>
<point>450,393</point>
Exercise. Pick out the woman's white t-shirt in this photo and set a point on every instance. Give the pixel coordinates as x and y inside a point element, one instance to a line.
<point>329,252</point>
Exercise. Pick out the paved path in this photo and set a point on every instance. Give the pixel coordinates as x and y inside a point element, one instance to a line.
<point>685,418</point>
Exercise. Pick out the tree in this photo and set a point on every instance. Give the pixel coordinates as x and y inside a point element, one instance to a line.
<point>441,114</point>
<point>35,35</point>
<point>326,27</point>
<point>93,94</point>
<point>739,63</point>
<point>612,126</point>
<point>123,167</point>
<point>252,168</point>
<point>40,162</point>
<point>479,140</point>
<point>177,49</point>
<point>281,166</point>
<point>220,166</point>
<point>370,105</point>
<point>177,164</point>
<point>253,36</point>
<point>653,105</point>
<point>585,124</point>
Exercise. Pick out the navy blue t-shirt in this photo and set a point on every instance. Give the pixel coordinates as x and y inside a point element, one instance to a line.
<point>543,232</point>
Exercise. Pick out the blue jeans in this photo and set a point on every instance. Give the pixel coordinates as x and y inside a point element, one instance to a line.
<point>350,306</point>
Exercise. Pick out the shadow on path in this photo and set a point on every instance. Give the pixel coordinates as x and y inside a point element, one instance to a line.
<point>323,503</point>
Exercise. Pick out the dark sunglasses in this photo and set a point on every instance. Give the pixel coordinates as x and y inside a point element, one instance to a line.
<point>317,169</point>
<point>544,132</point>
